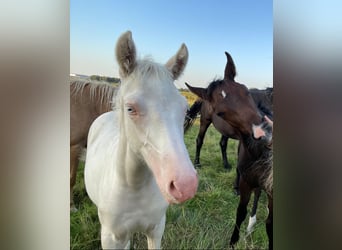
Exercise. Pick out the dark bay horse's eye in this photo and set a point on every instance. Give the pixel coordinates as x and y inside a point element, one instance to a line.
<point>220,114</point>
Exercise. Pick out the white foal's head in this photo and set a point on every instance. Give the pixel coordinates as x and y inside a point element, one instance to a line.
<point>152,116</point>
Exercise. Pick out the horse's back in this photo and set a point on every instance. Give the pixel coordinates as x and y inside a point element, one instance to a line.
<point>81,112</point>
<point>102,139</point>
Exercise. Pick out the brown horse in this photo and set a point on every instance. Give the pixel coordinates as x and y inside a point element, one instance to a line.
<point>263,98</point>
<point>233,103</point>
<point>204,108</point>
<point>88,100</point>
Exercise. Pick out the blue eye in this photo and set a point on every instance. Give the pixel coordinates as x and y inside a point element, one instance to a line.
<point>131,110</point>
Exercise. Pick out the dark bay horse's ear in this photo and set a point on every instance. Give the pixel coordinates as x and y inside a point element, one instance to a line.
<point>200,92</point>
<point>230,71</point>
<point>126,54</point>
<point>177,63</point>
<point>269,121</point>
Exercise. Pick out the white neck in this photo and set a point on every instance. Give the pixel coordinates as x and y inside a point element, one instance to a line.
<point>130,166</point>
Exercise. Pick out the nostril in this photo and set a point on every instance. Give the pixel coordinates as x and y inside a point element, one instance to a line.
<point>182,190</point>
<point>172,186</point>
<point>174,191</point>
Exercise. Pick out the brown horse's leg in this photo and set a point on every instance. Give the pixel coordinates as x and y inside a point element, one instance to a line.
<point>245,194</point>
<point>237,178</point>
<point>252,218</point>
<point>74,154</point>
<point>236,182</point>
<point>269,223</point>
<point>223,144</point>
<point>257,193</point>
<point>204,124</point>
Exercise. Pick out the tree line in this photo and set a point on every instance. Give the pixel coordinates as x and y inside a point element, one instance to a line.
<point>105,78</point>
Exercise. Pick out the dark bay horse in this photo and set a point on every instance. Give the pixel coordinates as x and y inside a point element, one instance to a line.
<point>88,100</point>
<point>263,98</point>
<point>205,110</point>
<point>232,102</point>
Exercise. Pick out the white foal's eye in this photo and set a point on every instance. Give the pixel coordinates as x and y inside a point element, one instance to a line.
<point>131,110</point>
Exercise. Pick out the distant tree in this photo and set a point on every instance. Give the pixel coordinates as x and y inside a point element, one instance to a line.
<point>95,78</point>
<point>105,78</point>
<point>113,79</point>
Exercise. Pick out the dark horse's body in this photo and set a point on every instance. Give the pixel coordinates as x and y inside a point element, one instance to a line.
<point>263,99</point>
<point>232,103</point>
<point>88,100</point>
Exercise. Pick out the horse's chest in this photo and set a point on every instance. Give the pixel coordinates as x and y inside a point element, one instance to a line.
<point>132,213</point>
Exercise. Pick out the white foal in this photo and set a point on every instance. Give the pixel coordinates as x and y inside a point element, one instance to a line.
<point>137,162</point>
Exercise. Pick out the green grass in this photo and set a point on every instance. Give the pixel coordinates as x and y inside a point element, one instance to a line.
<point>204,222</point>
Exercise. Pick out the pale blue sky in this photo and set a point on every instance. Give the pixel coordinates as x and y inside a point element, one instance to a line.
<point>208,28</point>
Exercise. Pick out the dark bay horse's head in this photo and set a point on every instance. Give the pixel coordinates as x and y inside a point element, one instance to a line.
<point>232,102</point>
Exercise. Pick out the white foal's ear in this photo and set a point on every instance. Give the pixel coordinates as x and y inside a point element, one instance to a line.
<point>126,54</point>
<point>177,63</point>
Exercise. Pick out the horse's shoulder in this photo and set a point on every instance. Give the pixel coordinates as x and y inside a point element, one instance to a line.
<point>102,139</point>
<point>104,125</point>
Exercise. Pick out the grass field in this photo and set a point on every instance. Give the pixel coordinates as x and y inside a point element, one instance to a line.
<point>204,222</point>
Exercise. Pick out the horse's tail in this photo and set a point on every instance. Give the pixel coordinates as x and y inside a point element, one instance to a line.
<point>268,177</point>
<point>266,168</point>
<point>269,183</point>
<point>191,114</point>
<point>262,169</point>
